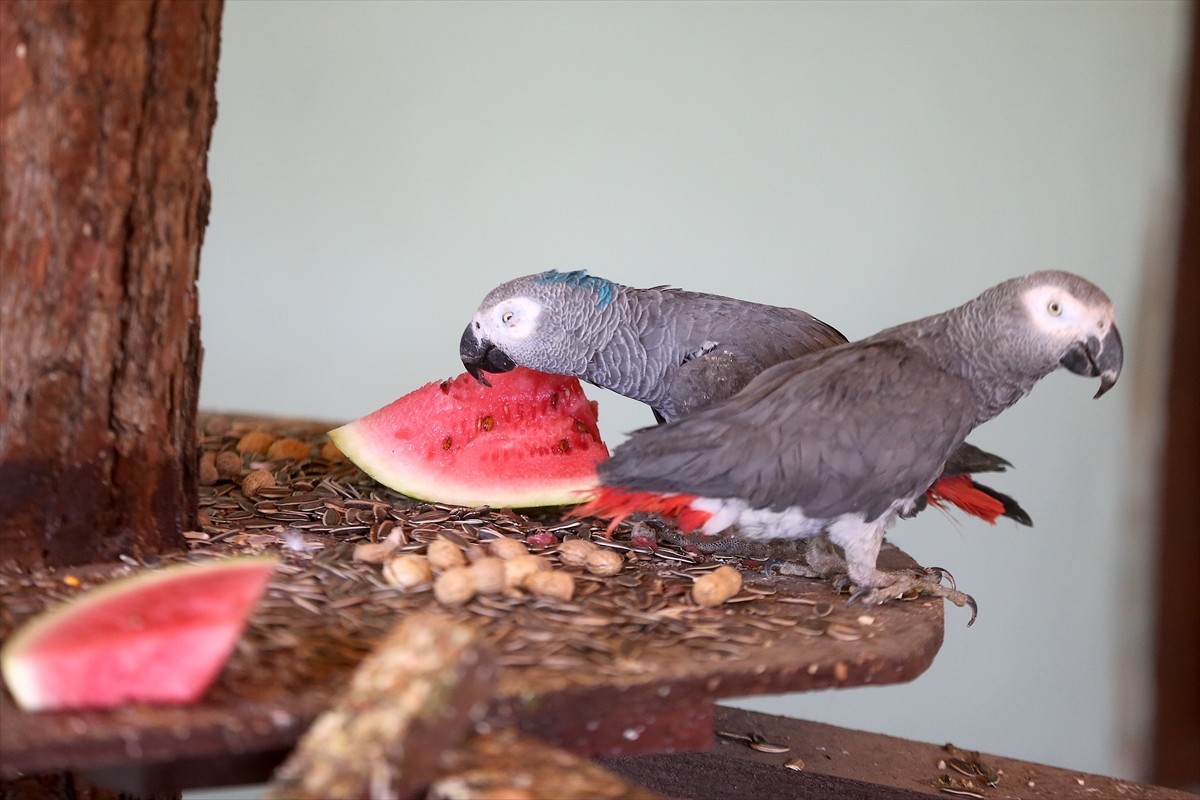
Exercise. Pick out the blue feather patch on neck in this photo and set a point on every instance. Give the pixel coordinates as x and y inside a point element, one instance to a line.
<point>605,290</point>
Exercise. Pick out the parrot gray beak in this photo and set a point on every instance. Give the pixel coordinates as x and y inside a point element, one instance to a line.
<point>1097,357</point>
<point>480,355</point>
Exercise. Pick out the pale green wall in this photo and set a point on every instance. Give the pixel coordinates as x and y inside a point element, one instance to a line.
<point>376,168</point>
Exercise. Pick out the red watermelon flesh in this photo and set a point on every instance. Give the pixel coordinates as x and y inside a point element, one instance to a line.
<point>531,439</point>
<point>157,637</point>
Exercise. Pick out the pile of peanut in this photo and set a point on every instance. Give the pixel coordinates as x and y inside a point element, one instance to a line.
<point>505,566</point>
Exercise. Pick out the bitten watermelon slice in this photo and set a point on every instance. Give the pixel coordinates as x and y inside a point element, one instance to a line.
<point>158,637</point>
<point>530,439</point>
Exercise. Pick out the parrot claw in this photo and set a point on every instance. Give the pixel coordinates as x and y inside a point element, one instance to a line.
<point>974,609</point>
<point>918,506</point>
<point>783,567</point>
<point>917,583</point>
<point>794,557</point>
<point>860,595</point>
<point>942,574</point>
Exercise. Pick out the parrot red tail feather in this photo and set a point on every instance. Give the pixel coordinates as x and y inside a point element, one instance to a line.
<point>961,492</point>
<point>618,504</point>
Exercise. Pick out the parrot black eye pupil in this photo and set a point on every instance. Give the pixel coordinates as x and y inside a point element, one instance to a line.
<point>1055,308</point>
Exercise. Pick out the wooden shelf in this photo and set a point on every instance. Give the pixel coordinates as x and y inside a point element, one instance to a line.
<point>625,667</point>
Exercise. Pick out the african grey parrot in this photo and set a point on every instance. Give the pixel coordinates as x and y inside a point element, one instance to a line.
<point>844,440</point>
<point>676,351</point>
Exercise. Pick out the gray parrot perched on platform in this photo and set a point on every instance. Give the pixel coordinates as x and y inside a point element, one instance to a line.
<point>676,351</point>
<point>846,439</point>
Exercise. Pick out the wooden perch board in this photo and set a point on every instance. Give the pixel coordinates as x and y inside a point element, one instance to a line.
<point>630,665</point>
<point>815,761</point>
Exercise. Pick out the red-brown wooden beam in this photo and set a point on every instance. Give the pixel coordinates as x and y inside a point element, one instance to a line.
<point>1177,702</point>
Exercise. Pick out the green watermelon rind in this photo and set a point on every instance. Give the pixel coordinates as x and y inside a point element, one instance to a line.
<point>22,668</point>
<point>365,444</point>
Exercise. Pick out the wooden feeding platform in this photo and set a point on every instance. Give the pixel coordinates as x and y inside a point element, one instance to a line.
<point>631,664</point>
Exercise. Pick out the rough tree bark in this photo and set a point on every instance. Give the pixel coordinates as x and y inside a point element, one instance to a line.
<point>106,113</point>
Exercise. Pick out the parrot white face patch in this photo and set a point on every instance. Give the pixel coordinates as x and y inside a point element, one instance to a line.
<point>510,320</point>
<point>1058,313</point>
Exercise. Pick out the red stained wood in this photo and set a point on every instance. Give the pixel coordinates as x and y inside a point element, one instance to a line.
<point>1177,703</point>
<point>828,761</point>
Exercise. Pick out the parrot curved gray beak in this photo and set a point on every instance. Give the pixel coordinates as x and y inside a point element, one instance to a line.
<point>1096,357</point>
<point>480,355</point>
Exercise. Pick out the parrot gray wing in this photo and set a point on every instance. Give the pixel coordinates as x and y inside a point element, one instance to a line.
<point>714,375</point>
<point>726,343</point>
<point>969,459</point>
<point>853,428</point>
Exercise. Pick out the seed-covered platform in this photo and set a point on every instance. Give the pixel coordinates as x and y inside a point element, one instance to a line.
<point>630,664</point>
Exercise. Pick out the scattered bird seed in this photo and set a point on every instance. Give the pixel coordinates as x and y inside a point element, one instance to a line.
<point>445,554</point>
<point>374,552</point>
<point>843,632</point>
<point>506,548</point>
<point>555,585</point>
<point>255,481</point>
<point>325,609</point>
<point>576,552</point>
<point>716,587</point>
<point>455,586</point>
<point>604,562</point>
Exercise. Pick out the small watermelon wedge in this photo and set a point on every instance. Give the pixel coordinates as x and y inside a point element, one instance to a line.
<point>530,439</point>
<point>157,637</point>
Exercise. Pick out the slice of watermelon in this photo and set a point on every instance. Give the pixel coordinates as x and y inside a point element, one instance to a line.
<point>530,439</point>
<point>157,637</point>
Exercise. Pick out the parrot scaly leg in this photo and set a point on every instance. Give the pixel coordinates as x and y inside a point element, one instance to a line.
<point>919,582</point>
<point>776,551</point>
<point>729,546</point>
<point>823,557</point>
<point>821,560</point>
<point>796,569</point>
<point>861,542</point>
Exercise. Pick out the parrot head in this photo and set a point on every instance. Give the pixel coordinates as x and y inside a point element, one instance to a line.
<point>545,322</point>
<point>1066,321</point>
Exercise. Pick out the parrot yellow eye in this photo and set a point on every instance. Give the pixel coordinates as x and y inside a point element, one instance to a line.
<point>1055,308</point>
<point>506,317</point>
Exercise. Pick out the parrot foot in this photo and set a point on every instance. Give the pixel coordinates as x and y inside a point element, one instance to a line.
<point>712,546</point>
<point>918,506</point>
<point>824,558</point>
<point>784,566</point>
<point>927,582</point>
<point>821,558</point>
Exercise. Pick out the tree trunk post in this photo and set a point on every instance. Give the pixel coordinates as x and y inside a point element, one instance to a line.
<point>106,113</point>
